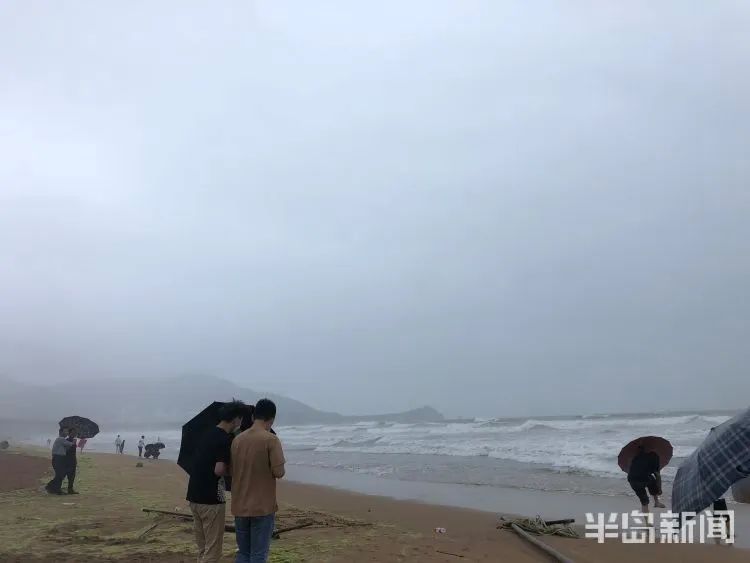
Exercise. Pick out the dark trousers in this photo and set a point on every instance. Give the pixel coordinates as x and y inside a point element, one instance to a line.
<point>70,473</point>
<point>59,466</point>
<point>653,486</point>
<point>140,451</point>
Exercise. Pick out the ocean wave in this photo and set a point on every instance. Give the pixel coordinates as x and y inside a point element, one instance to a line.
<point>357,444</point>
<point>568,445</point>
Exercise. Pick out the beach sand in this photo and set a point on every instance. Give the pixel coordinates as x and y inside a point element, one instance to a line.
<point>105,523</point>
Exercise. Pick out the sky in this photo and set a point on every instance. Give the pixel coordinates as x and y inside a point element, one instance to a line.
<point>495,208</point>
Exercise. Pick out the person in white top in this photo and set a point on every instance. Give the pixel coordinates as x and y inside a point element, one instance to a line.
<point>118,443</point>
<point>141,445</point>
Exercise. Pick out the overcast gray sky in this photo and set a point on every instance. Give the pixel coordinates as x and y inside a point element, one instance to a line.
<point>496,208</point>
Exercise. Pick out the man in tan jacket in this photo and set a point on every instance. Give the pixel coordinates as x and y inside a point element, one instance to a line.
<point>257,461</point>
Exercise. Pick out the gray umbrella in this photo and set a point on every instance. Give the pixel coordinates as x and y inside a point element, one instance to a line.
<point>721,460</point>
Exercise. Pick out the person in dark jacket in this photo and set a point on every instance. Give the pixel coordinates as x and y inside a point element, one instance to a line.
<point>644,478</point>
<point>71,463</point>
<point>60,449</point>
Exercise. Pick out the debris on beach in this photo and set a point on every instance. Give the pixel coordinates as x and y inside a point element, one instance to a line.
<point>540,527</point>
<point>527,528</point>
<point>288,519</point>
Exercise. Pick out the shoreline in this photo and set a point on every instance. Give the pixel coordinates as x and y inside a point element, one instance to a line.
<point>496,500</point>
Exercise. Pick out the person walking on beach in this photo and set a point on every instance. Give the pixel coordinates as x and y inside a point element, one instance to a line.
<point>59,450</point>
<point>257,462</point>
<point>71,463</point>
<point>205,491</point>
<point>82,443</point>
<point>122,446</point>
<point>118,443</point>
<point>644,477</point>
<point>141,445</point>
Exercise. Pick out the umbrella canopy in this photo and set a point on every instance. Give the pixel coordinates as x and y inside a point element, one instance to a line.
<point>655,444</point>
<point>196,427</point>
<point>720,461</point>
<point>192,432</point>
<point>84,427</point>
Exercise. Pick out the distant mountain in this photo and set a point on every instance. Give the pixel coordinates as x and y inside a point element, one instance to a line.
<point>168,401</point>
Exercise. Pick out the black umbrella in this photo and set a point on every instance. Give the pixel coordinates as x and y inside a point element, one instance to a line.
<point>197,426</point>
<point>84,427</point>
<point>192,432</point>
<point>153,450</point>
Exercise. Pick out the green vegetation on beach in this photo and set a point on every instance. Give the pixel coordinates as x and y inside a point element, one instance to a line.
<point>106,522</point>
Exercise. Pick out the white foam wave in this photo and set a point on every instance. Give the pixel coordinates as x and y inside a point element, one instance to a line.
<point>587,445</point>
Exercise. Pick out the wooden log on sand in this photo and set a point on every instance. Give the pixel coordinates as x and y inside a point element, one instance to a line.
<point>556,555</point>
<point>227,527</point>
<point>184,515</point>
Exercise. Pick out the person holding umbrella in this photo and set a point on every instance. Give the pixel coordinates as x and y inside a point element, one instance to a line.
<point>60,448</point>
<point>718,464</point>
<point>205,492</point>
<point>643,459</point>
<point>71,463</point>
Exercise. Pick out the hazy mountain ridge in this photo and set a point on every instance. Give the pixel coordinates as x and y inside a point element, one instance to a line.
<point>167,401</point>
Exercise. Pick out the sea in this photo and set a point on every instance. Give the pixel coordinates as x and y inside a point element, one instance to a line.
<point>576,454</point>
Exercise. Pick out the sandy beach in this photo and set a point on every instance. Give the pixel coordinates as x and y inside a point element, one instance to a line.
<point>106,523</point>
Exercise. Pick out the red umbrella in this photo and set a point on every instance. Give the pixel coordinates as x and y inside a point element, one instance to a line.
<point>660,446</point>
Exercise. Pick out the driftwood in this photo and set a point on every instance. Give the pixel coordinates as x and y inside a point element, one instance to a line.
<point>183,515</point>
<point>149,529</point>
<point>563,521</point>
<point>276,533</point>
<point>448,553</point>
<point>227,527</point>
<point>556,555</point>
<point>290,528</point>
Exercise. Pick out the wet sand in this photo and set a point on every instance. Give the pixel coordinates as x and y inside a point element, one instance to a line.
<point>20,471</point>
<point>105,523</point>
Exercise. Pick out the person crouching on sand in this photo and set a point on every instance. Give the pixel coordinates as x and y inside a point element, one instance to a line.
<point>644,476</point>
<point>257,462</point>
<point>205,490</point>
